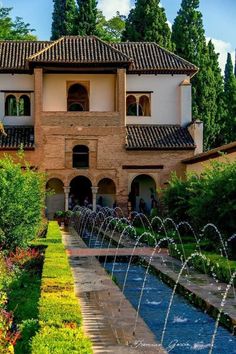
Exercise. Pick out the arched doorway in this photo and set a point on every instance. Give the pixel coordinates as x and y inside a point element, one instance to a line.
<point>55,200</point>
<point>106,193</point>
<point>142,187</point>
<point>80,191</point>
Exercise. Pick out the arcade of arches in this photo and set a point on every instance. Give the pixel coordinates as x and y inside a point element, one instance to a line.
<point>81,192</point>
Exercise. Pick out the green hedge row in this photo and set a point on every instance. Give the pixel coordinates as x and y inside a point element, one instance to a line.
<point>212,265</point>
<point>59,312</point>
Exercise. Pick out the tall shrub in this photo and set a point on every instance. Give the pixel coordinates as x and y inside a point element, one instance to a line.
<point>21,203</point>
<point>208,198</point>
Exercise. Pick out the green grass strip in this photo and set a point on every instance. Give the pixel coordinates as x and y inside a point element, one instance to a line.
<point>59,312</point>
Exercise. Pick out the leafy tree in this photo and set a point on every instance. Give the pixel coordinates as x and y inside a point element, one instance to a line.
<point>110,30</point>
<point>230,100</point>
<point>86,22</point>
<point>14,30</point>
<point>63,18</point>
<point>189,39</point>
<point>148,22</point>
<point>21,203</point>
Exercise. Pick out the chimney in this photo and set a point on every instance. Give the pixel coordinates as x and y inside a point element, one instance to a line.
<point>196,131</point>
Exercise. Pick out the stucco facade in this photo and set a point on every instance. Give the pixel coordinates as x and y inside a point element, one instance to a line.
<point>101,128</point>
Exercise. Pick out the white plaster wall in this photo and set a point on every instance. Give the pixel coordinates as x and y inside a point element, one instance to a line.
<point>185,107</point>
<point>102,91</point>
<point>16,82</point>
<point>165,99</point>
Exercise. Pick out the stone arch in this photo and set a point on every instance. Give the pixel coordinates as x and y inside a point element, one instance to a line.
<point>143,186</point>
<point>106,192</point>
<point>83,173</point>
<point>55,199</point>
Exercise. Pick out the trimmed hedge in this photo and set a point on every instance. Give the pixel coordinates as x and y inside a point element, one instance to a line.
<point>59,312</point>
<point>214,263</point>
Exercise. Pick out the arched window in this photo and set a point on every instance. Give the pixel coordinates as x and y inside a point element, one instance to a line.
<point>10,106</point>
<point>138,104</point>
<point>131,109</point>
<point>77,99</point>
<point>24,105</point>
<point>80,156</point>
<point>145,105</point>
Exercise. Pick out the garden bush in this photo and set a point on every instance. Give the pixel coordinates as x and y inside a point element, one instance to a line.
<point>208,198</point>
<point>22,199</point>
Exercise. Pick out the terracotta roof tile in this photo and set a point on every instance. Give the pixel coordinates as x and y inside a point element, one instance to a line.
<point>14,54</point>
<point>140,57</point>
<point>158,137</point>
<point>22,136</point>
<point>80,50</point>
<point>148,56</point>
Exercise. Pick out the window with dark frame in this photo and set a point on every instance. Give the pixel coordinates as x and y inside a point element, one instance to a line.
<point>17,104</point>
<point>80,156</point>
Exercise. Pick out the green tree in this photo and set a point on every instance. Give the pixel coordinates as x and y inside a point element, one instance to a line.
<point>86,22</point>
<point>230,100</point>
<point>63,18</point>
<point>22,199</point>
<point>14,29</point>
<point>211,104</point>
<point>188,36</point>
<point>148,22</point>
<point>110,30</point>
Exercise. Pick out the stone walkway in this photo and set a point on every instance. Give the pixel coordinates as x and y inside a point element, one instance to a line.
<point>110,328</point>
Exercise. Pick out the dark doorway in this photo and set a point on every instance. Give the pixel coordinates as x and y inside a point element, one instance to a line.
<point>80,191</point>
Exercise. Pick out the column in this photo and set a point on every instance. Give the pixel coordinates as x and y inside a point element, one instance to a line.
<point>121,95</point>
<point>94,192</point>
<point>66,191</point>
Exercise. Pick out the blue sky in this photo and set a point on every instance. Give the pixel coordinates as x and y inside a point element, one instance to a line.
<point>218,17</point>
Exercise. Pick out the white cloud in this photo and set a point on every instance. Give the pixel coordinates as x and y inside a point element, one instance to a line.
<point>169,24</point>
<point>110,7</point>
<point>222,48</point>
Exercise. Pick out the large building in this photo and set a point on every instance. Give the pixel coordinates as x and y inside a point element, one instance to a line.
<point>103,121</point>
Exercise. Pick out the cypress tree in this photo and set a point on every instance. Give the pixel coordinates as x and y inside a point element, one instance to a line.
<point>230,100</point>
<point>147,22</point>
<point>86,22</point>
<point>188,36</point>
<point>63,18</point>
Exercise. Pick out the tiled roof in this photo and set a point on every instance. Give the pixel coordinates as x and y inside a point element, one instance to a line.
<point>158,137</point>
<point>148,56</point>
<point>14,54</point>
<point>140,57</point>
<point>80,50</point>
<point>22,136</point>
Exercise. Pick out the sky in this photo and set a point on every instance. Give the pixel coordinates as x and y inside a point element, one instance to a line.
<point>218,18</point>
